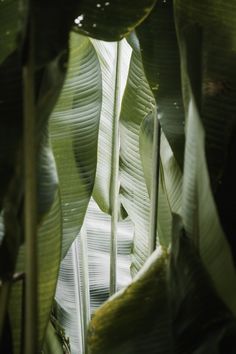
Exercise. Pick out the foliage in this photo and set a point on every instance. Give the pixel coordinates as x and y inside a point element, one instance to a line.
<point>171,86</point>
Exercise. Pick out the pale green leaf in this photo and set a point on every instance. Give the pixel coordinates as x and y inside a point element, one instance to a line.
<point>107,54</point>
<point>71,285</point>
<point>74,132</point>
<point>137,103</point>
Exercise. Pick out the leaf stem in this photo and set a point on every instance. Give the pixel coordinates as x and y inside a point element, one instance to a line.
<point>78,297</point>
<point>155,185</point>
<point>4,298</point>
<point>30,205</point>
<point>114,194</point>
<point>85,281</point>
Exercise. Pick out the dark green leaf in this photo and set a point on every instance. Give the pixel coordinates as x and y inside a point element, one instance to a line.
<point>12,25</point>
<point>111,20</point>
<point>160,56</point>
<point>206,33</point>
<point>201,322</point>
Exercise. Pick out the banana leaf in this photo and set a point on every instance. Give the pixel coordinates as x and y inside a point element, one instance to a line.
<point>160,54</point>
<point>201,323</point>
<point>170,179</point>
<point>48,82</point>
<point>118,326</point>
<point>180,308</point>
<point>73,128</point>
<point>71,285</point>
<point>107,54</point>
<point>199,213</point>
<point>111,20</point>
<point>136,104</point>
<point>206,33</point>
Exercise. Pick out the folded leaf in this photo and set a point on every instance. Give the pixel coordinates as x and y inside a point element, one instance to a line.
<point>136,320</point>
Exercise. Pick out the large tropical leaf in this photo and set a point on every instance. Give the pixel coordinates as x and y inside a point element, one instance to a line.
<point>48,82</point>
<point>180,313</point>
<point>55,341</point>
<point>135,320</point>
<point>206,33</point>
<point>108,58</point>
<point>136,104</point>
<point>49,254</point>
<point>74,133</point>
<point>201,323</point>
<point>170,179</point>
<point>72,285</point>
<point>160,56</point>
<point>111,20</point>
<point>200,214</point>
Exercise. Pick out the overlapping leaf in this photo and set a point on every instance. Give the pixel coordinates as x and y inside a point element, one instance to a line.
<point>49,254</point>
<point>71,284</point>
<point>206,33</point>
<point>160,56</point>
<point>180,312</point>
<point>121,325</point>
<point>111,20</point>
<point>170,179</point>
<point>74,133</point>
<point>107,54</point>
<point>200,215</point>
<point>137,103</point>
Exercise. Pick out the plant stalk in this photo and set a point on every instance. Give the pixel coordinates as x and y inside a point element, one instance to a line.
<point>155,185</point>
<point>30,205</point>
<point>78,297</point>
<point>4,299</point>
<point>114,195</point>
<point>85,281</point>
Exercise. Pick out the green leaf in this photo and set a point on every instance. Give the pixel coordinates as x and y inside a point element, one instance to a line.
<point>206,33</point>
<point>48,82</point>
<point>111,20</point>
<point>74,133</point>
<point>137,103</point>
<point>201,322</point>
<point>118,326</point>
<point>49,255</point>
<point>55,340</point>
<point>200,216</point>
<point>180,308</point>
<point>71,284</point>
<point>164,220</point>
<point>160,56</point>
<point>107,54</point>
